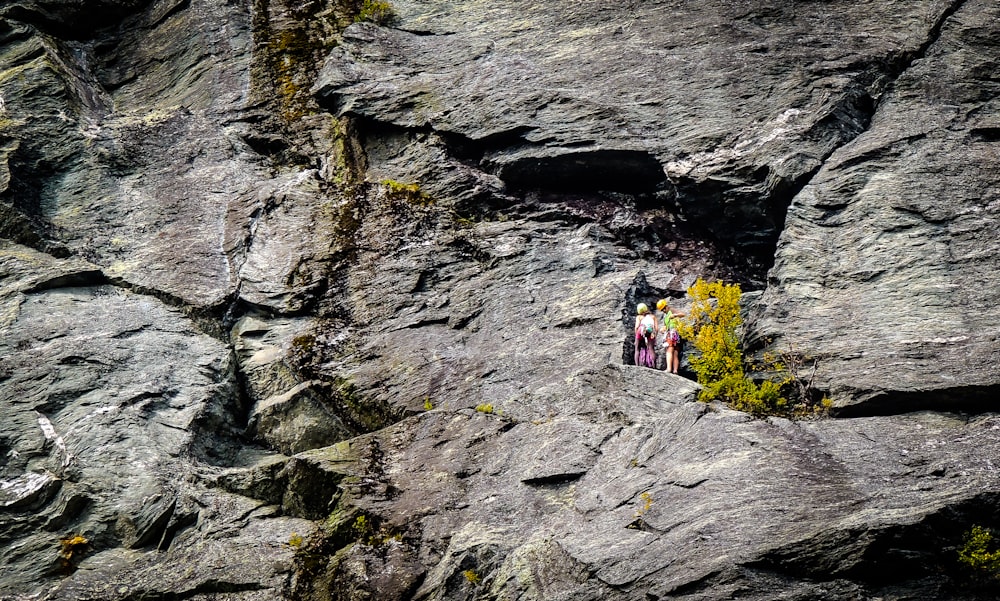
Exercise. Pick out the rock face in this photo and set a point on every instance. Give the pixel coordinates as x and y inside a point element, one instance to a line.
<point>919,192</point>
<point>301,301</point>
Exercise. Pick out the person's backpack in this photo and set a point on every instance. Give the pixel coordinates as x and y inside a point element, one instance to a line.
<point>670,324</point>
<point>647,327</point>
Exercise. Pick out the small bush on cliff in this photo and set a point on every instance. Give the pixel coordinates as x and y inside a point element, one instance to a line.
<point>980,552</point>
<point>713,325</point>
<point>376,11</point>
<point>410,193</point>
<point>70,549</point>
<point>472,576</point>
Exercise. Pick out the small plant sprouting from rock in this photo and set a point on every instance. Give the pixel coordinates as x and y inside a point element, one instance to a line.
<point>70,549</point>
<point>980,552</point>
<point>647,504</point>
<point>428,405</point>
<point>713,325</point>
<point>484,408</point>
<point>295,540</point>
<point>302,349</point>
<point>472,576</point>
<point>639,523</point>
<point>411,193</point>
<point>363,528</point>
<point>376,11</point>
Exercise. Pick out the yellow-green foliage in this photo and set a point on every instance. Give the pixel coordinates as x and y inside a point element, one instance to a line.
<point>291,49</point>
<point>295,540</point>
<point>410,193</point>
<point>363,528</point>
<point>712,325</point>
<point>375,11</point>
<point>472,576</point>
<point>428,405</point>
<point>484,408</point>
<point>70,549</point>
<point>72,545</point>
<point>977,554</point>
<point>647,504</point>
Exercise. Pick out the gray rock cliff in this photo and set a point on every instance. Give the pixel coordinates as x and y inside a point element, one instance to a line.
<point>301,301</point>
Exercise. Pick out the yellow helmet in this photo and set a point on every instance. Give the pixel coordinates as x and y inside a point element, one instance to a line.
<point>641,308</point>
<point>661,304</point>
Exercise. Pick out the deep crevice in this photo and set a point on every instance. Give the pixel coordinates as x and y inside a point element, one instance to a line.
<point>628,171</point>
<point>86,18</point>
<point>554,479</point>
<point>985,134</point>
<point>899,556</point>
<point>972,399</point>
<point>725,209</point>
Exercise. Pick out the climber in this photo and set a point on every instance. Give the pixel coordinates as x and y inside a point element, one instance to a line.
<point>645,334</point>
<point>671,338</point>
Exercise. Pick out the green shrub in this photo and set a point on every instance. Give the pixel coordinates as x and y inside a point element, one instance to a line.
<point>410,193</point>
<point>979,552</point>
<point>713,326</point>
<point>472,576</point>
<point>376,11</point>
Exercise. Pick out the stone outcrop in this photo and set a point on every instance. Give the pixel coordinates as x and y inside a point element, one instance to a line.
<point>299,301</point>
<point>891,241</point>
<point>647,493</point>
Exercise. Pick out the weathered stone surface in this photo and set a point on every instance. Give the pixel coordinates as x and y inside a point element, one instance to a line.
<point>424,294</point>
<point>670,499</point>
<point>236,548</point>
<point>884,271</point>
<point>120,157</point>
<point>108,442</point>
<point>586,96</point>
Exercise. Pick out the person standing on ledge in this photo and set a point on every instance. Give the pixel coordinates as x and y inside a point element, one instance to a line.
<point>646,328</point>
<point>671,339</point>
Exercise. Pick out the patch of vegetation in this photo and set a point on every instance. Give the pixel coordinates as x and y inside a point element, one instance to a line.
<point>347,532</point>
<point>362,413</point>
<point>428,405</point>
<point>647,504</point>
<point>980,552</point>
<point>484,408</point>
<point>70,548</point>
<point>713,325</point>
<point>295,540</point>
<point>376,11</point>
<point>291,52</point>
<point>639,523</point>
<point>8,123</point>
<point>363,529</point>
<point>304,344</point>
<point>410,193</point>
<point>472,576</point>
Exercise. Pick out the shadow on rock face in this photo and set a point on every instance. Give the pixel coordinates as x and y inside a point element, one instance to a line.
<point>615,170</point>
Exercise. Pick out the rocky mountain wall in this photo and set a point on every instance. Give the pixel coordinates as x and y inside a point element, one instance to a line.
<point>312,301</point>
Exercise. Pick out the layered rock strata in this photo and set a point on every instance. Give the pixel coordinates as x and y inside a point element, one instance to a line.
<point>304,301</point>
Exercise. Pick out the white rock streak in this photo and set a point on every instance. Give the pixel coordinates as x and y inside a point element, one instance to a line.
<point>50,434</point>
